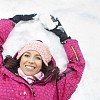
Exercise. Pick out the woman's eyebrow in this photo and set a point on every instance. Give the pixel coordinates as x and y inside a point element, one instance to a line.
<point>38,55</point>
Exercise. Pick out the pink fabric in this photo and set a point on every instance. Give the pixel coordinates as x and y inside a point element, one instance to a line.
<point>13,87</point>
<point>6,27</point>
<point>30,79</point>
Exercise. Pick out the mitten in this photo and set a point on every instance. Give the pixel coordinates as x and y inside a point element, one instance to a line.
<point>18,18</point>
<point>59,30</point>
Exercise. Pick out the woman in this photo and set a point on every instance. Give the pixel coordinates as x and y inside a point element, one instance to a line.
<point>32,73</point>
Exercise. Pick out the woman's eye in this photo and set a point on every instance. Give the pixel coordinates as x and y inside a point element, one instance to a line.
<point>39,58</point>
<point>26,55</point>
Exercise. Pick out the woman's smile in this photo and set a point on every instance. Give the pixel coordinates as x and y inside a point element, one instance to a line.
<point>30,67</point>
<point>31,62</point>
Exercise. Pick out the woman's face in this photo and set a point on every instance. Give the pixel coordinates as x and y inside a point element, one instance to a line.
<point>31,63</point>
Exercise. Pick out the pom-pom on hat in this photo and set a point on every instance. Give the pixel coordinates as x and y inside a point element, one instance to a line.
<point>39,47</point>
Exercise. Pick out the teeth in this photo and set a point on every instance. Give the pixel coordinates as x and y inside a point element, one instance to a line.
<point>29,67</point>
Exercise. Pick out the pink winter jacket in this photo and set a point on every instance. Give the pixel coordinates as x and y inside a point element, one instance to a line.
<point>13,87</point>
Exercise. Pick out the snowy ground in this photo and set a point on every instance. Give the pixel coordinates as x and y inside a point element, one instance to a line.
<point>80,19</point>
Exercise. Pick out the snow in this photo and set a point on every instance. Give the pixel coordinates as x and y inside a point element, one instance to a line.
<point>80,19</point>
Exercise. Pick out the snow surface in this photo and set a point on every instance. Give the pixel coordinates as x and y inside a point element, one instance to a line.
<point>80,19</point>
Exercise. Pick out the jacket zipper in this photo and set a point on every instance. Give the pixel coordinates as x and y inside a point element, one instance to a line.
<point>33,93</point>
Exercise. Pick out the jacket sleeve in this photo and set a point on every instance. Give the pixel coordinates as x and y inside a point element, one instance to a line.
<point>68,80</point>
<point>6,27</point>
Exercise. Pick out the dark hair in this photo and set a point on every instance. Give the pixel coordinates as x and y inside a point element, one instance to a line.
<point>50,72</point>
<point>11,64</point>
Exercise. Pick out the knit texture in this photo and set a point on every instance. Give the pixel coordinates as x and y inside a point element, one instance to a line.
<point>39,47</point>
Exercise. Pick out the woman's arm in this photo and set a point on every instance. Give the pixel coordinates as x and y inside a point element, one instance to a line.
<point>6,27</point>
<point>68,80</point>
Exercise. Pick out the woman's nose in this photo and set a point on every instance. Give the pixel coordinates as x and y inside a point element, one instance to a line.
<point>31,60</point>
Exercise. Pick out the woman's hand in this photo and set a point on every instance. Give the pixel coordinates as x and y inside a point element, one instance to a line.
<point>18,18</point>
<point>58,29</point>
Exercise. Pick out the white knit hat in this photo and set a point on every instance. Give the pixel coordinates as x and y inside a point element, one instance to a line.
<point>39,47</point>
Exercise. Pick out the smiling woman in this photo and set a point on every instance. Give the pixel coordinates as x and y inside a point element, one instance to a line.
<point>32,73</point>
<point>33,61</point>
